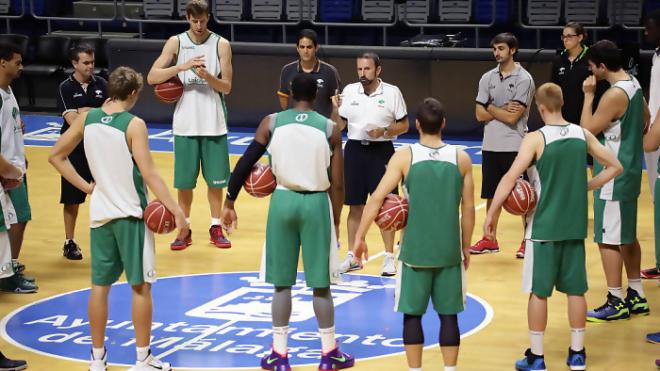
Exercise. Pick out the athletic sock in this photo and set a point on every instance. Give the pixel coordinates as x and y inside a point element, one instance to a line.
<point>415,369</point>
<point>98,353</point>
<point>577,339</point>
<point>448,368</point>
<point>280,335</point>
<point>636,284</point>
<point>617,292</point>
<point>328,342</point>
<point>536,341</point>
<point>215,221</point>
<point>142,353</point>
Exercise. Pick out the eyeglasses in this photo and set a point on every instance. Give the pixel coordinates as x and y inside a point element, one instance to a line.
<point>564,37</point>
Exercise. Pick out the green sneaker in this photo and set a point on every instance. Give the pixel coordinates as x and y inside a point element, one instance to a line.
<point>19,269</point>
<point>637,304</point>
<point>18,284</point>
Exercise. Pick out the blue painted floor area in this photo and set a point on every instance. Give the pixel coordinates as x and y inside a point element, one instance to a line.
<point>43,131</point>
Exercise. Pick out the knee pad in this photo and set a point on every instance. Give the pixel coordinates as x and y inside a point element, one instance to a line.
<point>450,336</point>
<point>412,330</point>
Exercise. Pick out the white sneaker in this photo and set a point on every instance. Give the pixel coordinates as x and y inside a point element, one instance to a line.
<point>99,364</point>
<point>349,264</point>
<point>388,268</point>
<point>151,363</point>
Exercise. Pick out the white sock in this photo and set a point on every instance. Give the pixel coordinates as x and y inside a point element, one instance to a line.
<point>636,284</point>
<point>388,254</point>
<point>577,339</point>
<point>415,369</point>
<point>536,340</point>
<point>188,220</point>
<point>328,342</point>
<point>280,335</point>
<point>142,353</point>
<point>617,291</point>
<point>448,368</point>
<point>215,221</point>
<point>14,261</point>
<point>68,240</point>
<point>98,353</point>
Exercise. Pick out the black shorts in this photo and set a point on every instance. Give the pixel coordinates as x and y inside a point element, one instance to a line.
<point>493,167</point>
<point>364,166</point>
<point>70,195</point>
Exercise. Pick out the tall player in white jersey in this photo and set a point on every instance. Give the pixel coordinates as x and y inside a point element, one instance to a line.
<point>201,59</point>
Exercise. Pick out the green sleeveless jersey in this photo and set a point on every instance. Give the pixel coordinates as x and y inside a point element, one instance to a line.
<point>559,178</point>
<point>624,138</point>
<point>300,151</point>
<point>434,186</point>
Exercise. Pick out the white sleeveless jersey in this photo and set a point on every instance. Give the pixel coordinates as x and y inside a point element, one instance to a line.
<point>119,191</point>
<point>201,111</point>
<point>11,145</point>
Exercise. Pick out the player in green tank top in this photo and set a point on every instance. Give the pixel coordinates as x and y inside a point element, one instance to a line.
<point>557,258</point>
<point>619,121</point>
<point>124,88</point>
<point>442,281</point>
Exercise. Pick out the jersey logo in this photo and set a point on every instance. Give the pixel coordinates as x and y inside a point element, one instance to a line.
<point>563,132</point>
<point>76,95</point>
<point>319,83</point>
<point>106,119</point>
<point>434,155</point>
<point>561,71</point>
<point>302,117</point>
<point>14,112</point>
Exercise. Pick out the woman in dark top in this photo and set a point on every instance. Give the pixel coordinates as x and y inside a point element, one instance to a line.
<point>570,69</point>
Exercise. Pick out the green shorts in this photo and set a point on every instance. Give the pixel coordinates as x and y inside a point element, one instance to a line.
<point>615,222</point>
<point>19,198</point>
<point>298,219</point>
<point>211,152</point>
<point>559,264</point>
<point>444,286</point>
<point>122,245</point>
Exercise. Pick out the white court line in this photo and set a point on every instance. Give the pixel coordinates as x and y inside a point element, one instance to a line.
<point>478,207</point>
<point>206,333</point>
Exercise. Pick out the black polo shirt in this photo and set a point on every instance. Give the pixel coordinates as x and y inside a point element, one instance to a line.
<point>327,80</point>
<point>73,96</point>
<point>570,76</point>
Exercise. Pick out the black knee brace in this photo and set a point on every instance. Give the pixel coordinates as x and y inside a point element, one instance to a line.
<point>449,334</point>
<point>412,330</point>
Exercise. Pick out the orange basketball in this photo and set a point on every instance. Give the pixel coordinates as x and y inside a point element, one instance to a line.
<point>393,215</point>
<point>522,198</point>
<point>158,218</point>
<point>169,91</point>
<point>260,182</point>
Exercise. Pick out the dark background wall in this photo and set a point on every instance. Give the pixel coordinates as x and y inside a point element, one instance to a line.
<point>450,75</point>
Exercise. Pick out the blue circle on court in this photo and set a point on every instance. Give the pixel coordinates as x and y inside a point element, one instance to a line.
<point>222,320</point>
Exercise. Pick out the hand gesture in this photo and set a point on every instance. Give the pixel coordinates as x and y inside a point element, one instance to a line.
<point>202,72</point>
<point>514,107</point>
<point>589,85</point>
<point>376,133</point>
<point>489,231</point>
<point>361,249</point>
<point>336,99</point>
<point>193,62</point>
<point>182,224</point>
<point>229,219</point>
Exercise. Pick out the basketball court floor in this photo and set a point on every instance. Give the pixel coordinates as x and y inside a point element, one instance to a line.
<point>213,313</point>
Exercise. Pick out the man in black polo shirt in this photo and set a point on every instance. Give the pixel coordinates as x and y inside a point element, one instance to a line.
<point>78,93</point>
<point>326,75</point>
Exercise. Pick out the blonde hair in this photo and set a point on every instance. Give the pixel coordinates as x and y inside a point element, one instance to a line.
<point>196,8</point>
<point>123,81</point>
<point>550,95</point>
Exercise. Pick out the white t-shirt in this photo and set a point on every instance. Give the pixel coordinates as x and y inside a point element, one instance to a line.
<point>367,112</point>
<point>12,135</point>
<point>654,88</point>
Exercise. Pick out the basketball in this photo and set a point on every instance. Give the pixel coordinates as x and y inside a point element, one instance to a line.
<point>393,215</point>
<point>169,91</point>
<point>260,182</point>
<point>522,198</point>
<point>158,218</point>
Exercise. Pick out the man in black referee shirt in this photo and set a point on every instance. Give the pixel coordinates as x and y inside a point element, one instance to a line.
<point>78,93</point>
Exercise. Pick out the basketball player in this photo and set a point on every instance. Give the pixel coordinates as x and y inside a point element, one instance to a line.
<point>306,159</point>
<point>556,229</point>
<point>119,238</point>
<point>618,123</point>
<point>16,211</point>
<point>435,248</point>
<point>202,61</point>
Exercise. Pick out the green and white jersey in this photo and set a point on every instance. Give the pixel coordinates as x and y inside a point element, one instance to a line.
<point>299,150</point>
<point>201,111</point>
<point>434,186</point>
<point>624,138</point>
<point>119,191</point>
<point>11,142</point>
<point>560,182</point>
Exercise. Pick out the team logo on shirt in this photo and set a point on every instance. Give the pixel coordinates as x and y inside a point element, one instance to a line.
<point>106,119</point>
<point>223,321</point>
<point>319,83</point>
<point>301,117</point>
<point>561,71</point>
<point>563,132</point>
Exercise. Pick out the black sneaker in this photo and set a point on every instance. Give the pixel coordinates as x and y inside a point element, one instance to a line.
<point>72,251</point>
<point>11,365</point>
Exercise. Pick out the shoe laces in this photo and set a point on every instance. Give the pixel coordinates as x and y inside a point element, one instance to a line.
<point>216,231</point>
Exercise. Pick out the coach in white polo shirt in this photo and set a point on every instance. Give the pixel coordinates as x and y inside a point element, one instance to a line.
<point>375,113</point>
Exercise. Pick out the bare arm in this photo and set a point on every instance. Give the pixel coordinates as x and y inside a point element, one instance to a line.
<point>72,116</point>
<point>612,166</point>
<point>59,155</point>
<point>398,127</point>
<point>221,84</point>
<point>652,137</point>
<point>609,108</point>
<point>334,116</point>
<point>138,142</point>
<point>507,116</point>
<point>481,114</point>
<point>467,205</point>
<point>523,160</point>
<point>337,172</point>
<point>393,175</point>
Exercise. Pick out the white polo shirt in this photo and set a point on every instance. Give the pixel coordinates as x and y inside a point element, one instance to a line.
<point>367,112</point>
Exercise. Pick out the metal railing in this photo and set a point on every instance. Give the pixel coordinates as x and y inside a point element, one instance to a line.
<point>8,17</point>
